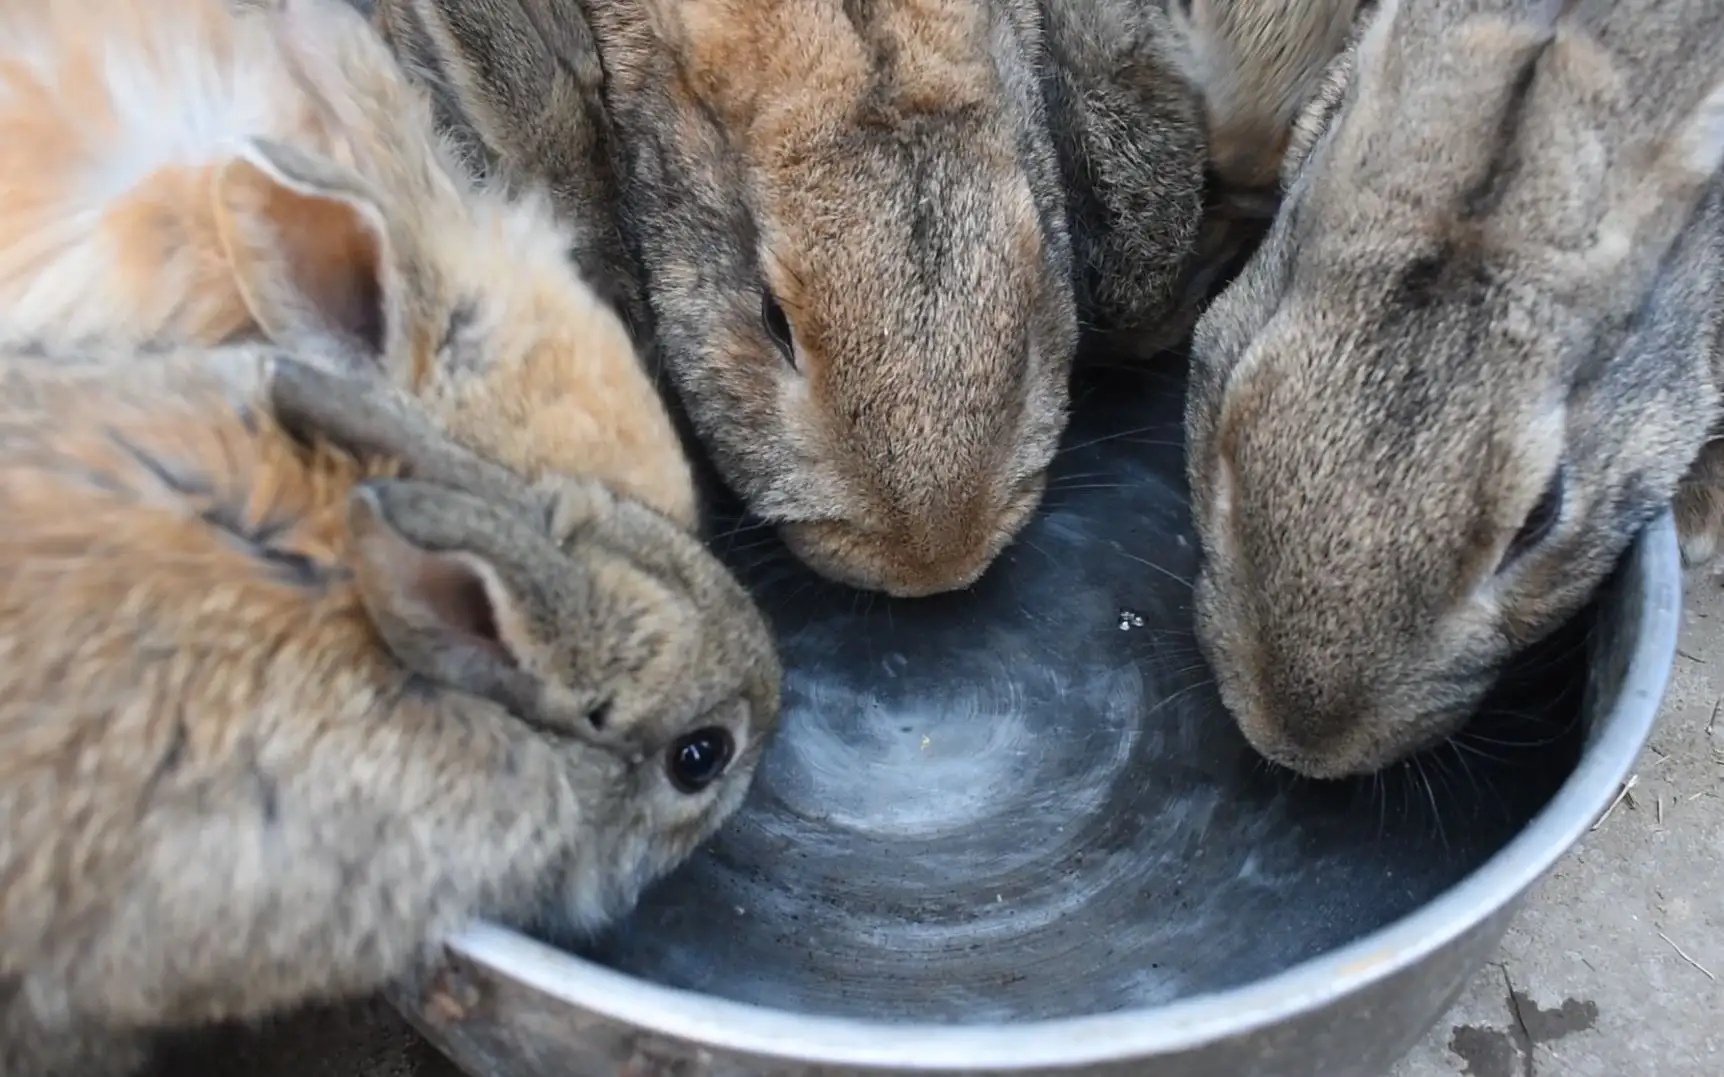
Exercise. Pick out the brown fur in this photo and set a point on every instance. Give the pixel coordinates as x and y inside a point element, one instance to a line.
<point>1499,262</point>
<point>909,180</point>
<point>340,227</point>
<point>886,175</point>
<point>274,722</point>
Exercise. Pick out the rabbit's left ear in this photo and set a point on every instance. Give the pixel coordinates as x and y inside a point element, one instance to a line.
<point>460,594</point>
<point>310,253</point>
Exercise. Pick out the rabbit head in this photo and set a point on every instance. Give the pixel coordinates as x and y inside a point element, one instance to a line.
<point>380,253</point>
<point>856,256</point>
<point>590,617</point>
<point>1471,360</point>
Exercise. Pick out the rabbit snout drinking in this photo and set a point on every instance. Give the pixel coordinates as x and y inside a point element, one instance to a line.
<point>290,688</point>
<point>1475,354</point>
<point>858,267</point>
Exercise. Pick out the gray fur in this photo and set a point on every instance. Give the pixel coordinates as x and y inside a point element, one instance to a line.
<point>1499,255</point>
<point>997,172</point>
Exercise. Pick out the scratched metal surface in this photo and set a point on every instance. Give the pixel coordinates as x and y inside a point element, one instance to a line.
<point>1026,801</point>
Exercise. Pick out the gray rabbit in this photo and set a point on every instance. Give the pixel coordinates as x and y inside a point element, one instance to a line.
<point>1477,352</point>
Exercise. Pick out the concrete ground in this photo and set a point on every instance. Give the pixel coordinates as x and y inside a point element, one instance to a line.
<point>1611,971</point>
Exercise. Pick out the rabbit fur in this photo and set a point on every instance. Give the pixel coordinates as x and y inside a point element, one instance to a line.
<point>517,86</point>
<point>1127,127</point>
<point>204,172</point>
<point>1256,64</point>
<point>291,688</point>
<point>868,233</point>
<point>1477,352</point>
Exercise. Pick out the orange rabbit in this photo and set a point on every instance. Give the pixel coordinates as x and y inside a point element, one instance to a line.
<point>274,719</point>
<point>202,171</point>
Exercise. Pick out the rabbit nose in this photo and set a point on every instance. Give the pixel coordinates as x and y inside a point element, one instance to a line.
<point>1306,725</point>
<point>886,561</point>
<point>913,560</point>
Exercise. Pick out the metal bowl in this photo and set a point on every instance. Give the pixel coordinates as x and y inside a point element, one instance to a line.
<point>1013,831</point>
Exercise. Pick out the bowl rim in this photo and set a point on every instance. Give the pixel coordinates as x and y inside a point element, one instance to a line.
<point>1189,1023</point>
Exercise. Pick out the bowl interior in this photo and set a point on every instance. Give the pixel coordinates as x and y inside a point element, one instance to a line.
<point>1026,801</point>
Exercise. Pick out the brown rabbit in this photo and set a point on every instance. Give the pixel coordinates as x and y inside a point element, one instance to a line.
<point>857,227</point>
<point>1476,354</point>
<point>274,719</point>
<point>853,238</point>
<point>201,171</point>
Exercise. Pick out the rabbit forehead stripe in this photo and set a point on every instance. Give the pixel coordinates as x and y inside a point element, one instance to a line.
<point>1515,132</point>
<point>879,333</point>
<point>775,69</point>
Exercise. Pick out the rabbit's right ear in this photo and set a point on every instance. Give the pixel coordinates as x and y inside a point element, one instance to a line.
<point>453,616</point>
<point>311,254</point>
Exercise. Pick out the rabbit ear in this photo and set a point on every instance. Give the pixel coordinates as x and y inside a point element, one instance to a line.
<point>451,616</point>
<point>310,253</point>
<point>1652,208</point>
<point>1435,107</point>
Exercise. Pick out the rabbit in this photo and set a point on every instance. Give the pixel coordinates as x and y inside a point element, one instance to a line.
<point>207,172</point>
<point>867,235</point>
<point>517,86</point>
<point>289,689</point>
<point>1477,352</point>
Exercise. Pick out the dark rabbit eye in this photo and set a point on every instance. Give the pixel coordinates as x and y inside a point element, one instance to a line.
<point>599,715</point>
<point>1539,522</point>
<point>696,760</point>
<point>777,326</point>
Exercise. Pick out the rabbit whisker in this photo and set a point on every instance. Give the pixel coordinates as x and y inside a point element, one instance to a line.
<point>1169,573</point>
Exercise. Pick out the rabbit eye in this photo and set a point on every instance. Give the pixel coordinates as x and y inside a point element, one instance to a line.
<point>1539,522</point>
<point>697,760</point>
<point>777,326</point>
<point>599,715</point>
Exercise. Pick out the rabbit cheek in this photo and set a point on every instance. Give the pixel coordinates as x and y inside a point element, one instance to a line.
<point>1232,655</point>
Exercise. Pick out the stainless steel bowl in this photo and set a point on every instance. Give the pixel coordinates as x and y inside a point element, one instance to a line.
<point>1013,832</point>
